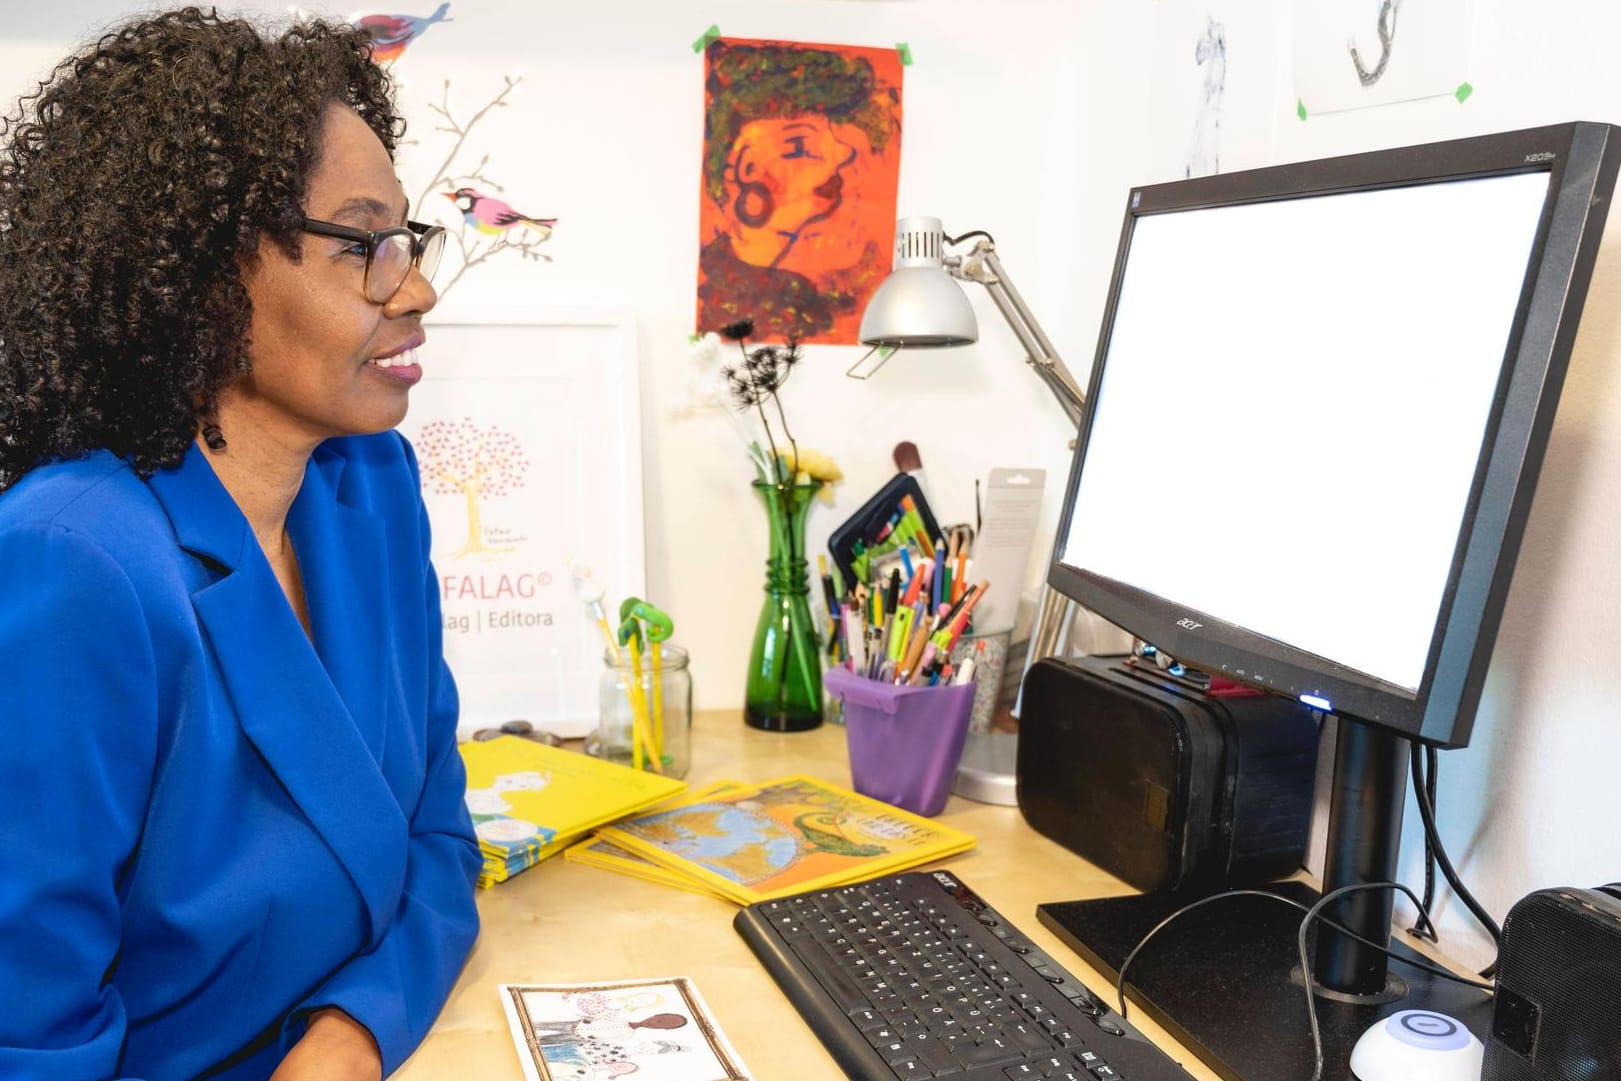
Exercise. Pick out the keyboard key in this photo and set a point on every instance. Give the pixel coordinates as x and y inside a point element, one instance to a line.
<point>839,983</point>
<point>989,1053</point>
<point>1029,1039</point>
<point>897,1051</point>
<point>867,1020</point>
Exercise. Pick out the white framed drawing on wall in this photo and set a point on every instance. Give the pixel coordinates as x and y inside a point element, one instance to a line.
<point>527,430</point>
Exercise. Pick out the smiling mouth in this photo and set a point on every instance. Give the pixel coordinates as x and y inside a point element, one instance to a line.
<point>396,360</point>
<point>404,354</point>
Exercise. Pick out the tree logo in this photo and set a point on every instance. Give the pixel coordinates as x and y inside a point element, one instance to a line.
<point>474,462</point>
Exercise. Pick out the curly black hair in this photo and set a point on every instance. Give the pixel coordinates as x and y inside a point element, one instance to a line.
<point>134,182</point>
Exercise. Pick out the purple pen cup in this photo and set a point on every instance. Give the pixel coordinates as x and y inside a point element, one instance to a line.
<point>904,742</point>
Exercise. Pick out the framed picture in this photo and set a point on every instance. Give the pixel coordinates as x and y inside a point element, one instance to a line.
<point>527,429</point>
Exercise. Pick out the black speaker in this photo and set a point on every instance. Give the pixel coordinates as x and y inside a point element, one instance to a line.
<point>1558,1010</point>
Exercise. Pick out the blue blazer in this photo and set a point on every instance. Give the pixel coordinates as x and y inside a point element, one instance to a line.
<point>210,824</point>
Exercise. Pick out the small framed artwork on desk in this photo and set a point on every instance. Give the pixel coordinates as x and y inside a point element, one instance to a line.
<point>527,429</point>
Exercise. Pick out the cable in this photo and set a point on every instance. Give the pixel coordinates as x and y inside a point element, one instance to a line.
<point>1305,965</point>
<point>1426,811</point>
<point>1433,969</point>
<point>1312,913</point>
<point>1432,771</point>
<point>955,240</point>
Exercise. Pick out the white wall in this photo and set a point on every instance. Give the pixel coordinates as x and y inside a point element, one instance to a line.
<point>1029,119</point>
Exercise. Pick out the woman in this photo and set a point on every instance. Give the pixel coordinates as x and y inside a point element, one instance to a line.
<point>234,841</point>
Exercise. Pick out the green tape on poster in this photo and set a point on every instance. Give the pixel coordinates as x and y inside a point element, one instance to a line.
<point>708,35</point>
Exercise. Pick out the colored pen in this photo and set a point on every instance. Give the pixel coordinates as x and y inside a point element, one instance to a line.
<point>944,640</point>
<point>920,672</point>
<point>918,642</point>
<point>939,567</point>
<point>900,632</point>
<point>915,586</point>
<point>959,618</point>
<point>965,670</point>
<point>855,648</point>
<point>892,595</point>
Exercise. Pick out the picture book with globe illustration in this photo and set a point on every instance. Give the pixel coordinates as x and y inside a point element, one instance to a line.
<point>530,801</point>
<point>600,852</point>
<point>759,842</point>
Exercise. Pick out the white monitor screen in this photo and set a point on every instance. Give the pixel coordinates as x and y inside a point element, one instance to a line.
<point>1292,406</point>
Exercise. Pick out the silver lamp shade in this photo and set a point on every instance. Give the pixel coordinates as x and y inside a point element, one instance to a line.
<point>918,304</point>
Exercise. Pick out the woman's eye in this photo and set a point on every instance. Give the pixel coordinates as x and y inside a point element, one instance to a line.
<point>357,249</point>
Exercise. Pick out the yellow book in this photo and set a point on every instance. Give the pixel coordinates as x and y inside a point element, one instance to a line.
<point>597,852</point>
<point>783,837</point>
<point>530,801</point>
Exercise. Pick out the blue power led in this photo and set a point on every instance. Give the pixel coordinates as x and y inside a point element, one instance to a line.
<point>1316,702</point>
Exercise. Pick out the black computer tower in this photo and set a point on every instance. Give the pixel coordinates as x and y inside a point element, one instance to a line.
<point>1160,782</point>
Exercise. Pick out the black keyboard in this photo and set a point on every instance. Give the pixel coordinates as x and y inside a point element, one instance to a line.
<point>914,976</point>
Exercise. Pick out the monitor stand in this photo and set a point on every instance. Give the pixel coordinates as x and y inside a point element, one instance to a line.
<point>1225,980</point>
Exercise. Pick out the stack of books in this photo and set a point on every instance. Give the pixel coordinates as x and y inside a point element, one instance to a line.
<point>530,801</point>
<point>748,843</point>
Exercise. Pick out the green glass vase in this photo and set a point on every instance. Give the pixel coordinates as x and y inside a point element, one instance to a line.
<point>785,667</point>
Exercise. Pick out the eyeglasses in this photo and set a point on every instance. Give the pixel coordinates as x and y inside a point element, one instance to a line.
<point>390,253</point>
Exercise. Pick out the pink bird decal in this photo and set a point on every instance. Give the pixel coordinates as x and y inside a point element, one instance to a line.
<point>390,34</point>
<point>493,217</point>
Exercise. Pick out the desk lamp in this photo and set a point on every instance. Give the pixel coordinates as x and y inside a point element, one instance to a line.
<point>919,305</point>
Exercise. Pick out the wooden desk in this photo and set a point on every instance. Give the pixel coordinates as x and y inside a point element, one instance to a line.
<point>563,922</point>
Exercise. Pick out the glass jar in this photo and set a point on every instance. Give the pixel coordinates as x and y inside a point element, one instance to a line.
<point>661,697</point>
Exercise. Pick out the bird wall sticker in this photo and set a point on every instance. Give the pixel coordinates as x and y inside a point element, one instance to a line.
<point>390,34</point>
<point>493,217</point>
<point>488,224</point>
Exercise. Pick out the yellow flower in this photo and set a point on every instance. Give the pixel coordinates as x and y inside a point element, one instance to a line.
<point>813,465</point>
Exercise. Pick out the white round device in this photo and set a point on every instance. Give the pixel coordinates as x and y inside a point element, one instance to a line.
<point>1417,1045</point>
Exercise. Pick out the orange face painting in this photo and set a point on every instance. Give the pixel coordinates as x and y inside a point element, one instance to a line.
<point>801,159</point>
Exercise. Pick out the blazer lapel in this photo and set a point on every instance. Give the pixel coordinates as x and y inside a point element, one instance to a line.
<point>286,702</point>
<point>350,614</point>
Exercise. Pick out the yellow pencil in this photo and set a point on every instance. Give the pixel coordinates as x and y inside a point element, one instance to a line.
<point>641,737</point>
<point>658,700</point>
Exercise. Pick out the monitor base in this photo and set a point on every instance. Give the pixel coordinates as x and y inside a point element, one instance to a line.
<point>1224,981</point>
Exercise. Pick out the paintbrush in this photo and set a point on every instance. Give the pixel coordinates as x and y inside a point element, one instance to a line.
<point>908,460</point>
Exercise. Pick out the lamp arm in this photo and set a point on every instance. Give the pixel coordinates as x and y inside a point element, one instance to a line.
<point>1049,635</point>
<point>981,265</point>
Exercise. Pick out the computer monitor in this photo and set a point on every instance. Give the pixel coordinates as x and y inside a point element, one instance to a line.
<point>1319,403</point>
